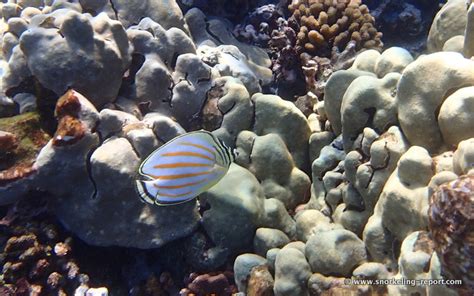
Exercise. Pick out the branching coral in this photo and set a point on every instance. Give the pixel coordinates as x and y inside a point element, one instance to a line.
<point>324,24</point>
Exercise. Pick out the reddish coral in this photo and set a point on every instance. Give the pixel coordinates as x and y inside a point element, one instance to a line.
<point>215,283</point>
<point>451,223</point>
<point>70,129</point>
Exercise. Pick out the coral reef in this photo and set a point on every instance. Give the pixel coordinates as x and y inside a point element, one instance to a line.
<point>350,180</point>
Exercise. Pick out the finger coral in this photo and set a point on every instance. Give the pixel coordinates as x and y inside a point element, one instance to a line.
<point>324,25</point>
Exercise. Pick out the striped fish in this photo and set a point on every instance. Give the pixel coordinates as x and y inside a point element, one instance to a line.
<point>183,168</point>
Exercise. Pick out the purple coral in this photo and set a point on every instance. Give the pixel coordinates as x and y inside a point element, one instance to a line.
<point>451,223</point>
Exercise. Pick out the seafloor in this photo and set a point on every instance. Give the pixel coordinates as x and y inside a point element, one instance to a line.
<point>352,122</point>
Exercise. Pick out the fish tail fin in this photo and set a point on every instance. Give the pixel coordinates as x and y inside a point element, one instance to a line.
<point>141,188</point>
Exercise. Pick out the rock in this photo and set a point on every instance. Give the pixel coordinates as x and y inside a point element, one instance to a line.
<point>260,282</point>
<point>402,206</point>
<point>233,100</point>
<point>334,92</point>
<point>317,141</point>
<point>218,32</point>
<point>371,176</point>
<point>368,102</point>
<point>366,60</point>
<point>55,60</point>
<point>166,12</point>
<point>439,179</point>
<point>435,273</point>
<point>463,159</point>
<point>319,284</point>
<point>455,44</point>
<point>309,222</point>
<point>350,215</point>
<point>112,122</point>
<point>243,266</point>
<point>274,115</point>
<point>268,238</point>
<point>414,263</point>
<point>277,217</point>
<point>292,271</point>
<point>421,91</point>
<point>393,59</point>
<point>371,270</point>
<point>143,140</point>
<point>335,252</point>
<point>26,101</point>
<point>468,48</point>
<point>192,79</point>
<point>230,61</point>
<point>97,292</point>
<point>164,127</point>
<point>449,21</point>
<point>272,164</point>
<point>271,257</point>
<point>299,245</point>
<point>236,209</point>
<point>456,119</point>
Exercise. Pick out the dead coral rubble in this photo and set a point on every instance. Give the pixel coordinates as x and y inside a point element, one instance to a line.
<point>36,258</point>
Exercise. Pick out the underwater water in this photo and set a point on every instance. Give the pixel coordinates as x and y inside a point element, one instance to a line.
<point>237,147</point>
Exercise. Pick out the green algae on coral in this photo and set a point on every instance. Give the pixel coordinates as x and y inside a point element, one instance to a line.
<point>30,138</point>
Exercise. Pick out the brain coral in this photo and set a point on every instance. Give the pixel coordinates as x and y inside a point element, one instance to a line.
<point>325,25</point>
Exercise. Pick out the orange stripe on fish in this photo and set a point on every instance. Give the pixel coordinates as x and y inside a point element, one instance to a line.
<point>174,195</point>
<point>190,163</point>
<point>180,176</point>
<point>180,165</point>
<point>197,146</point>
<point>184,153</point>
<point>179,186</point>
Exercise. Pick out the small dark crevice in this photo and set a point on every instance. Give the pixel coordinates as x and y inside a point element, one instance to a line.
<point>251,149</point>
<point>89,170</point>
<point>253,120</point>
<point>205,79</point>
<point>114,9</point>
<point>371,114</point>
<point>212,34</point>
<point>234,56</point>
<point>174,60</point>
<point>45,99</point>
<point>230,109</point>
